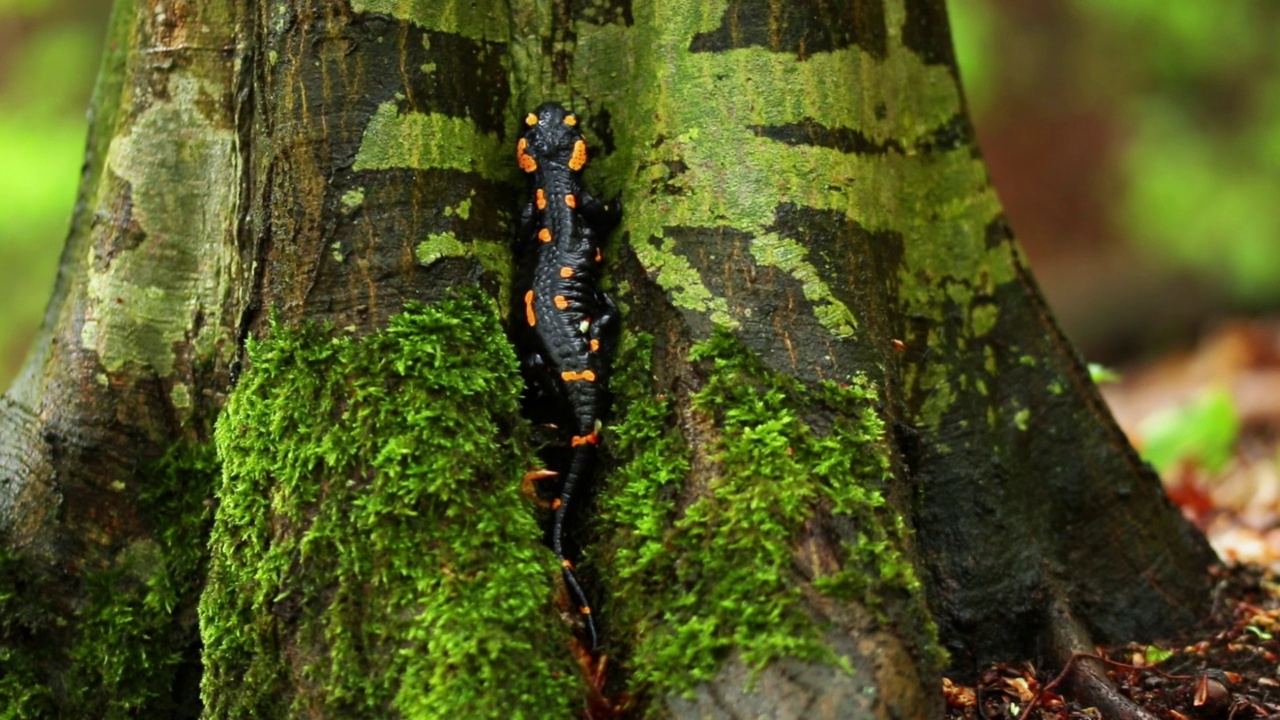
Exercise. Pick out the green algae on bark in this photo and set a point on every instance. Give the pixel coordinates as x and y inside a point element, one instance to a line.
<point>372,553</point>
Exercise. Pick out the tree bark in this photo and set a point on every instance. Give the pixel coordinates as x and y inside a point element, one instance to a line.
<point>849,446</point>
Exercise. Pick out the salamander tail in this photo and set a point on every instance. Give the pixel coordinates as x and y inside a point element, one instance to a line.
<point>579,466</point>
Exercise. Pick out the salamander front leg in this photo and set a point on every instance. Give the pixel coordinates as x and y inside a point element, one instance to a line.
<point>540,388</point>
<point>602,216</point>
<point>528,225</point>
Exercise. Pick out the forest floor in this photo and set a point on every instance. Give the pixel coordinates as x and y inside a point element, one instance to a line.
<point>1227,671</point>
<point>1209,420</point>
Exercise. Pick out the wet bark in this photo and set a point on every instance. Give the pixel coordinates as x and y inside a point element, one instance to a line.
<point>801,188</point>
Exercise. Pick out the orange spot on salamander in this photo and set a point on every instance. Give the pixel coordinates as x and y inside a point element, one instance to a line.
<point>530,119</point>
<point>566,564</point>
<point>544,235</point>
<point>566,272</point>
<point>571,201</point>
<point>592,439</point>
<point>594,344</point>
<point>540,199</point>
<point>528,309</point>
<point>584,610</point>
<point>599,255</point>
<point>579,157</point>
<point>570,120</point>
<point>561,302</point>
<point>570,376</point>
<point>555,504</point>
<point>526,161</point>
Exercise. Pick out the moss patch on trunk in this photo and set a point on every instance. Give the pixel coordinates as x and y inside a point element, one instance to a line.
<point>700,574</point>
<point>372,553</point>
<point>134,650</point>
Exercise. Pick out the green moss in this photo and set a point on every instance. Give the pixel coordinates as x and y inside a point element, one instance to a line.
<point>120,662</point>
<point>717,577</point>
<point>372,553</point>
<point>26,619</point>
<point>134,629</point>
<point>137,628</point>
<point>638,508</point>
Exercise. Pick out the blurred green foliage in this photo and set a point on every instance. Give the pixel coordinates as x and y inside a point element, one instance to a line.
<point>1184,42</point>
<point>23,7</point>
<point>1192,86</point>
<point>1203,431</point>
<point>1154,655</point>
<point>1206,201</point>
<point>973,27</point>
<point>972,24</point>
<point>1102,374</point>
<point>1204,163</point>
<point>48,55</point>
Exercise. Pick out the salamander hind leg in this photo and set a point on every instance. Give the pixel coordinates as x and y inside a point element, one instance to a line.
<point>540,387</point>
<point>604,331</point>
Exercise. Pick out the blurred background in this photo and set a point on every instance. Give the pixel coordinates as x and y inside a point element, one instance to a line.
<point>1135,145</point>
<point>49,53</point>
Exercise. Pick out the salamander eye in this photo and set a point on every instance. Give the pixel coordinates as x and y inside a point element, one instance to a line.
<point>570,120</point>
<point>530,119</point>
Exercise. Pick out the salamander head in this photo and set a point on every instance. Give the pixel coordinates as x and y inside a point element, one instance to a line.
<point>552,136</point>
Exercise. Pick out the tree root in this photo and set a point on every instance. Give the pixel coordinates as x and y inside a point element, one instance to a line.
<point>1084,671</point>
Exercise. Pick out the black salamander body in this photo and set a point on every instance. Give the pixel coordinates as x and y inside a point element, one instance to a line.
<point>563,326</point>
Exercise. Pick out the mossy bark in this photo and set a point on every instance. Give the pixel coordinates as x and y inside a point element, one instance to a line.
<point>848,440</point>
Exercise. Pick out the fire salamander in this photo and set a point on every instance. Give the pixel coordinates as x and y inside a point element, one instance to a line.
<point>563,326</point>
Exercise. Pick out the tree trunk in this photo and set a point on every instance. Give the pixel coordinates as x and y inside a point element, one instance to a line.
<point>849,447</point>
